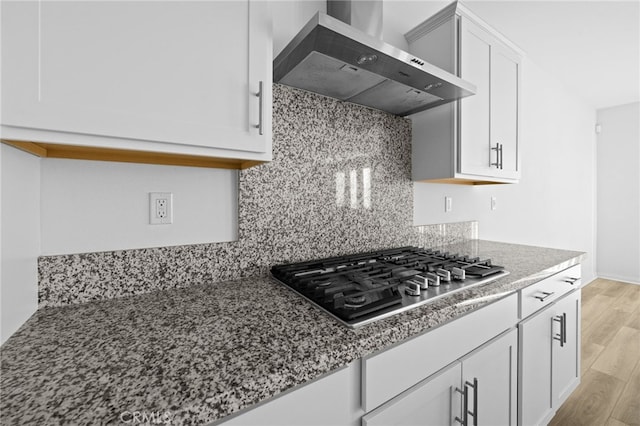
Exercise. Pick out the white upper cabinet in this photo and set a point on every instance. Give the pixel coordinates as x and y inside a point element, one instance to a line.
<point>474,140</point>
<point>162,76</point>
<point>505,88</point>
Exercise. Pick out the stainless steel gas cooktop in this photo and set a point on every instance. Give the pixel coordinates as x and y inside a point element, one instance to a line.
<point>361,288</point>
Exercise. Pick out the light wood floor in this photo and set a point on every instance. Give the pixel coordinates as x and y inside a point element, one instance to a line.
<point>609,392</point>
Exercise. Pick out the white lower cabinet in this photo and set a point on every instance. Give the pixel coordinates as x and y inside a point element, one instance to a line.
<point>549,359</point>
<point>565,364</point>
<point>480,389</point>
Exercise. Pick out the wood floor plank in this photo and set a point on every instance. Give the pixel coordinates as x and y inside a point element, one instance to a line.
<point>589,291</point>
<point>613,288</point>
<point>627,410</point>
<point>615,422</point>
<point>608,324</point>
<point>593,309</point>
<point>592,404</point>
<point>634,321</point>
<point>628,298</point>
<point>621,355</point>
<point>601,283</point>
<point>590,352</point>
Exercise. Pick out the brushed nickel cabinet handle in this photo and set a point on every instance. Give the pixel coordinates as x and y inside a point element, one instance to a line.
<point>499,158</point>
<point>562,336</point>
<point>260,96</point>
<point>473,414</point>
<point>497,150</point>
<point>558,336</point>
<point>465,408</point>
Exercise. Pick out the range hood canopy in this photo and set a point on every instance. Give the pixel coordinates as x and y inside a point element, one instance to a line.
<point>335,59</point>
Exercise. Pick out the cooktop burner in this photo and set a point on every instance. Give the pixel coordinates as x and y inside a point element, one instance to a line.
<point>361,288</point>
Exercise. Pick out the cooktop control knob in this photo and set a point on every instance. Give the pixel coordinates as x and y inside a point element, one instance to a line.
<point>458,273</point>
<point>423,281</point>
<point>444,275</point>
<point>412,289</point>
<point>433,279</point>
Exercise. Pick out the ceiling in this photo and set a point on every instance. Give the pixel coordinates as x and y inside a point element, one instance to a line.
<point>592,47</point>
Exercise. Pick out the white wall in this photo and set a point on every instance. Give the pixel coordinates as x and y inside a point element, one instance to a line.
<point>289,17</point>
<point>554,203</point>
<point>52,206</point>
<point>93,206</point>
<point>618,211</point>
<point>90,206</point>
<point>20,238</point>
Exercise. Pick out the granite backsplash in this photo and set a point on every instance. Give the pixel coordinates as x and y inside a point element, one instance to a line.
<point>340,182</point>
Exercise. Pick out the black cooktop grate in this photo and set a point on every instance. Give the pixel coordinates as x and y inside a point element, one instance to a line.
<point>361,287</point>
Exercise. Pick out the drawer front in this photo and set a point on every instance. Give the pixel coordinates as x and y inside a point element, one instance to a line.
<point>393,371</point>
<point>431,402</point>
<point>543,293</point>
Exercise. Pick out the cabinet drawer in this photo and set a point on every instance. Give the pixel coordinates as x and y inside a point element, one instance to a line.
<point>543,293</point>
<point>391,372</point>
<point>431,402</point>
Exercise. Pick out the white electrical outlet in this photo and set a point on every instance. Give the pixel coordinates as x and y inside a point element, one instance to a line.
<point>494,203</point>
<point>448,204</point>
<point>160,208</point>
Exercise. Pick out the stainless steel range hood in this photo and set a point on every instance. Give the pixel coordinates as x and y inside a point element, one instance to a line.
<point>335,59</point>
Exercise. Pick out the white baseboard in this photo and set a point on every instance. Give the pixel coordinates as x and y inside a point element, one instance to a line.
<point>619,278</point>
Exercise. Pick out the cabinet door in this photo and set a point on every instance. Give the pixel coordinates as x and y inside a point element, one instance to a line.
<point>505,81</point>
<point>433,401</point>
<point>565,366</point>
<point>492,370</point>
<point>534,384</point>
<point>475,66</point>
<point>170,71</point>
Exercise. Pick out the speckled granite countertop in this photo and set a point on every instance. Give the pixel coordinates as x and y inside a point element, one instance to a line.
<point>204,352</point>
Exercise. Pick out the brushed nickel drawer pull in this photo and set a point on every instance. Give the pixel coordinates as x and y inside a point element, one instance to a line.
<point>546,295</point>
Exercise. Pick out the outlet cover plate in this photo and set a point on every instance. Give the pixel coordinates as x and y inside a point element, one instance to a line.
<point>160,208</point>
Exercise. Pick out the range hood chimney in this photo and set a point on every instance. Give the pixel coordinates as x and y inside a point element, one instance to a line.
<point>341,55</point>
<point>363,15</point>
